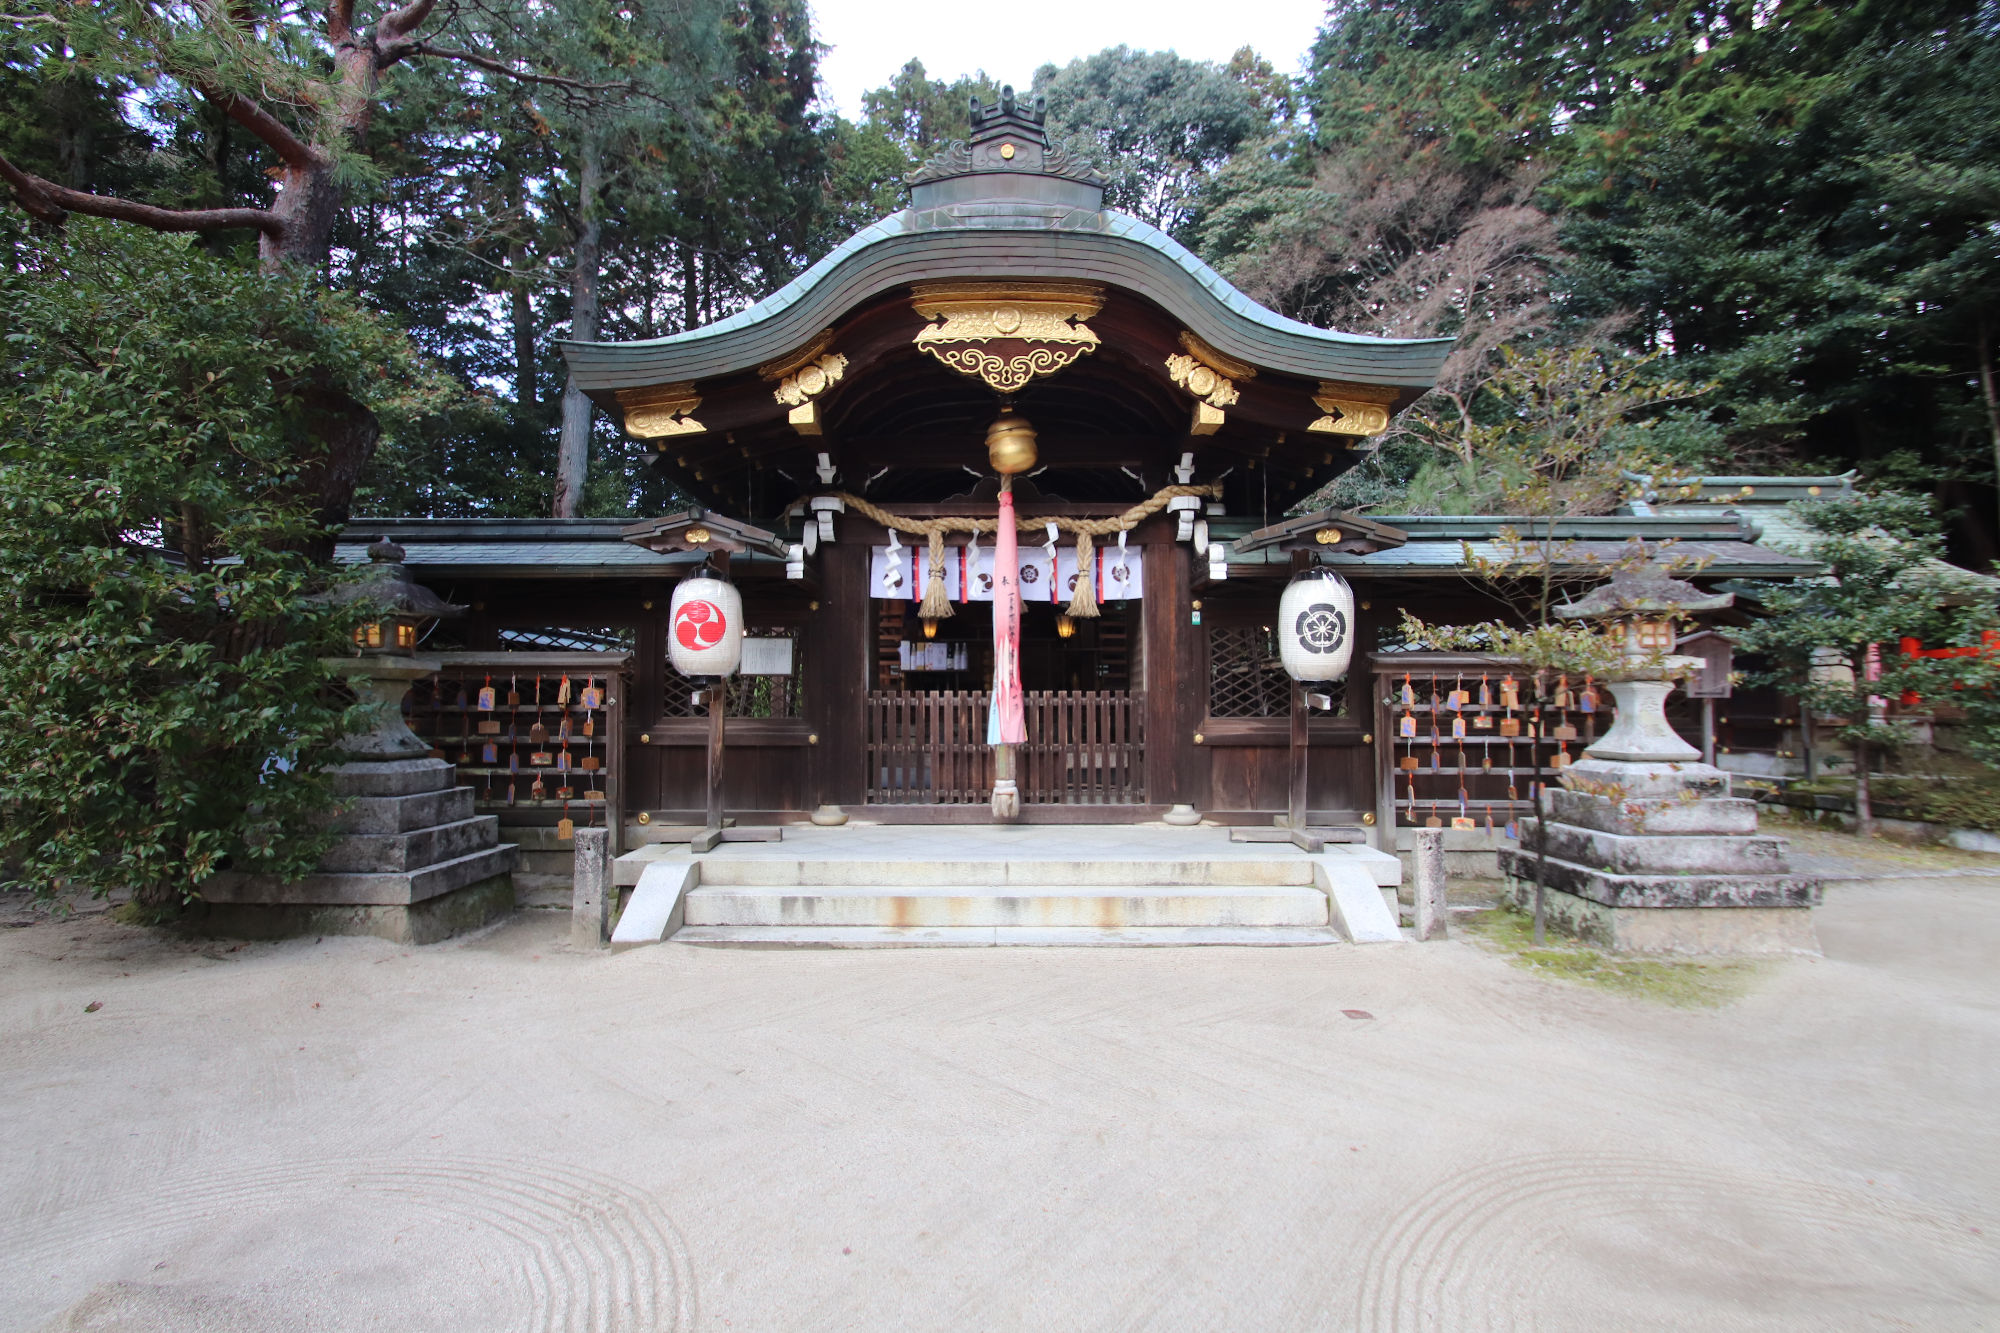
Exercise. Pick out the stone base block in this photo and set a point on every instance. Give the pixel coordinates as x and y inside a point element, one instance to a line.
<point>1654,817</point>
<point>378,815</point>
<point>392,777</point>
<point>1693,853</point>
<point>1673,930</point>
<point>1646,781</point>
<point>386,889</point>
<point>368,853</point>
<point>1656,889</point>
<point>424,922</point>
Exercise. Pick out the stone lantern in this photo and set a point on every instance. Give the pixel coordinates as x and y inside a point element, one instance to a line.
<point>1643,848</point>
<point>385,647</point>
<point>412,860</point>
<point>1640,608</point>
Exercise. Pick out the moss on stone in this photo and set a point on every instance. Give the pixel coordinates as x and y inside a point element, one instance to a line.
<point>1682,983</point>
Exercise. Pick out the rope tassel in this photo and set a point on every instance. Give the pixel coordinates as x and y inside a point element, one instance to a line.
<point>1083,602</point>
<point>936,606</point>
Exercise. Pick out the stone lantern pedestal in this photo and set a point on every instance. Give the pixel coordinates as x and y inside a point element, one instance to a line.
<point>1645,850</point>
<point>411,861</point>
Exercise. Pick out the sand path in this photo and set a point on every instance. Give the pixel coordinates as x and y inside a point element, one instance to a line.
<point>500,1134</point>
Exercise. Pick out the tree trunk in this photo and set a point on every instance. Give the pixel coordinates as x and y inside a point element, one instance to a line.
<point>522,310</point>
<point>1864,807</point>
<point>1990,392</point>
<point>573,451</point>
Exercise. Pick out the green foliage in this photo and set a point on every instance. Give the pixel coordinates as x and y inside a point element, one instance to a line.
<point>1802,209</point>
<point>164,712</point>
<point>1157,124</point>
<point>1884,583</point>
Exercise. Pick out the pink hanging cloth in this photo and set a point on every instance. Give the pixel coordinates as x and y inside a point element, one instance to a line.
<point>1006,723</point>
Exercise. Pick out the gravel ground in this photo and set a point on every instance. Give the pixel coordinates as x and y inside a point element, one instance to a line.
<point>500,1134</point>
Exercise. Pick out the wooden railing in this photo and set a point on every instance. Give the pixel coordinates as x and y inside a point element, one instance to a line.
<point>929,747</point>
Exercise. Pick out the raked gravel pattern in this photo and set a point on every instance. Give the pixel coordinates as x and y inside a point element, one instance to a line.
<point>500,1134</point>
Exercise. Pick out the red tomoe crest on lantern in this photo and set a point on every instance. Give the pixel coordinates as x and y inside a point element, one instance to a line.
<point>700,624</point>
<point>705,627</point>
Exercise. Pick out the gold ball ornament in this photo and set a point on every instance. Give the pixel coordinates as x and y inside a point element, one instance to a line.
<point>1010,444</point>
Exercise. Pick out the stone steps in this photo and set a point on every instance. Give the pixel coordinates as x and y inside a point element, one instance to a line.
<point>849,890</point>
<point>1103,907</point>
<point>877,937</point>
<point>412,849</point>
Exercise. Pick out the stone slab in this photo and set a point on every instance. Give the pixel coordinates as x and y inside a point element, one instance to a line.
<point>1002,873</point>
<point>1108,907</point>
<point>1666,891</point>
<point>402,814</point>
<point>1355,902</point>
<point>363,890</point>
<point>1625,855</point>
<point>1647,780</point>
<point>878,937</point>
<point>1674,930</point>
<point>466,908</point>
<point>626,869</point>
<point>392,777</point>
<point>414,850</point>
<point>657,906</point>
<point>1725,816</point>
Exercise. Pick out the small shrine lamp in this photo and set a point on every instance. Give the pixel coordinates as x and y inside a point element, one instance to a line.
<point>1640,609</point>
<point>384,660</point>
<point>399,607</point>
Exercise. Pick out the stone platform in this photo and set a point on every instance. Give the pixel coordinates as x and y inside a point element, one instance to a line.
<point>1681,873</point>
<point>869,885</point>
<point>413,863</point>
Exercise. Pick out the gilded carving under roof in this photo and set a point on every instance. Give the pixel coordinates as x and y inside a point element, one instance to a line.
<point>1352,409</point>
<point>660,411</point>
<point>811,380</point>
<point>965,319</point>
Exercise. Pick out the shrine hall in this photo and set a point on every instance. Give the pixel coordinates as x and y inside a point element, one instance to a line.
<point>1004,348</point>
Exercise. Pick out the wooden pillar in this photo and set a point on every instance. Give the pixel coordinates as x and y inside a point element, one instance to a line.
<point>1176,682</point>
<point>836,686</point>
<point>1301,734</point>
<point>1296,805</point>
<point>718,708</point>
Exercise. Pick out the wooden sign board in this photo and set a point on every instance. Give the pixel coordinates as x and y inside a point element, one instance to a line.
<point>1718,659</point>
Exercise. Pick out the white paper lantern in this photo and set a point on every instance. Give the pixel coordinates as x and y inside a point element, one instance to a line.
<point>705,628</point>
<point>1316,626</point>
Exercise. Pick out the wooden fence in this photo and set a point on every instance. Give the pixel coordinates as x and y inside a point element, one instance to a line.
<point>929,748</point>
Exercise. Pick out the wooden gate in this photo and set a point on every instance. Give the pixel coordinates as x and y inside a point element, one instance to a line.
<point>1084,747</point>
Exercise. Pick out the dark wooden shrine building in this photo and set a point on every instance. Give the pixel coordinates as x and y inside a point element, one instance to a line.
<point>860,396</point>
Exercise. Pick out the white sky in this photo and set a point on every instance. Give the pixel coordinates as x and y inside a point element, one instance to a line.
<point>872,38</point>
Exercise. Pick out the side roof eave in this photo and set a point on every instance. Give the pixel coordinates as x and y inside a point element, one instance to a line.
<point>998,242</point>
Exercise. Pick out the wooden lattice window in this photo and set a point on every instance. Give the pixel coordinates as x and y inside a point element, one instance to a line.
<point>746,696</point>
<point>1246,679</point>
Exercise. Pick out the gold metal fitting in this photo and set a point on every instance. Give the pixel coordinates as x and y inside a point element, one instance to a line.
<point>1010,444</point>
<point>1368,818</point>
<point>645,818</point>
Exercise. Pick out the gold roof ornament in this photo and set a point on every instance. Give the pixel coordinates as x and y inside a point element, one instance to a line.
<point>1352,409</point>
<point>1210,377</point>
<point>1005,334</point>
<point>660,411</point>
<point>801,386</point>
